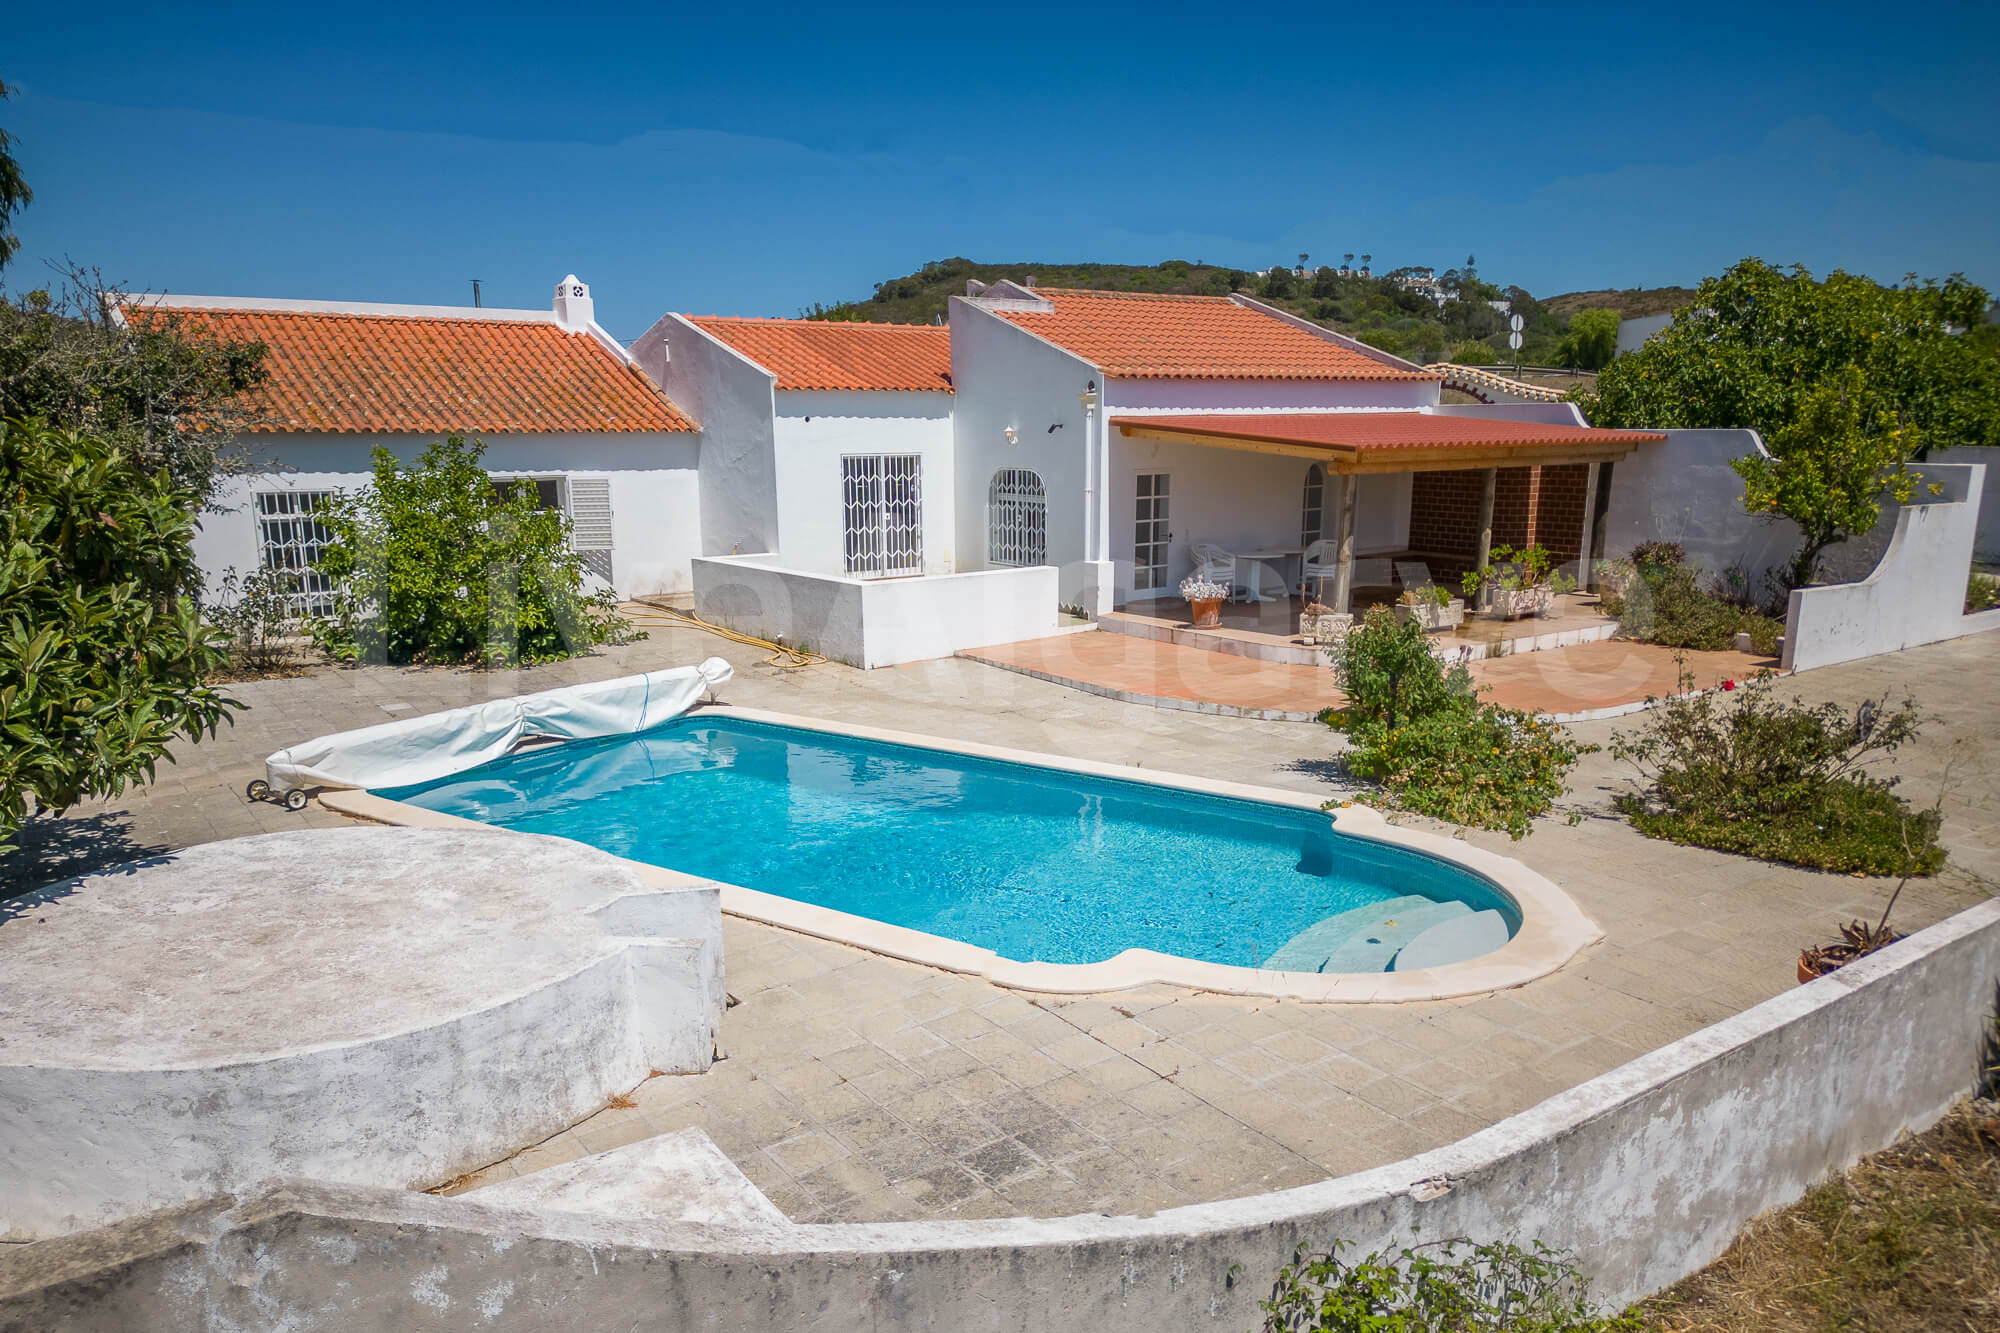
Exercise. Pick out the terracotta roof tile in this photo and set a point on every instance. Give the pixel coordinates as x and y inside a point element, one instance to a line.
<point>823,354</point>
<point>1138,335</point>
<point>421,374</point>
<point>1371,431</point>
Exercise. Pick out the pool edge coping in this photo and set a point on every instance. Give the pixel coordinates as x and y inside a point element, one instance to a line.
<point>1554,929</point>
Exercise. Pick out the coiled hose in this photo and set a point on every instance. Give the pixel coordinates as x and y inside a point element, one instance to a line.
<point>669,617</point>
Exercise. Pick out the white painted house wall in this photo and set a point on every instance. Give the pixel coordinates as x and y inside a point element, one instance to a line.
<point>1007,377</point>
<point>655,505</point>
<point>814,429</point>
<point>731,396</point>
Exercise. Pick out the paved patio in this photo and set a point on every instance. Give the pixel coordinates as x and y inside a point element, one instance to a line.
<point>861,1088</point>
<point>1581,678</point>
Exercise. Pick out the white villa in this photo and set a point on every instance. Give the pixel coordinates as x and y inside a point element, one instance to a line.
<point>887,493</point>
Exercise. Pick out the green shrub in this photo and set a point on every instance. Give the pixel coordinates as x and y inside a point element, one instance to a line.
<point>1982,591</point>
<point>1440,1287</point>
<point>1481,766</point>
<point>103,658</point>
<point>437,565</point>
<point>1389,674</point>
<point>254,613</point>
<point>1421,735</point>
<point>1472,354</point>
<point>1743,771</point>
<point>1667,605</point>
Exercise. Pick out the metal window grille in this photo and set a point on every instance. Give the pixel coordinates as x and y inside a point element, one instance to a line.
<point>1312,513</point>
<point>884,514</point>
<point>292,540</point>
<point>1150,537</point>
<point>1017,519</point>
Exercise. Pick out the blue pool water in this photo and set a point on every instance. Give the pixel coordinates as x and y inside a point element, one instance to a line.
<point>1036,864</point>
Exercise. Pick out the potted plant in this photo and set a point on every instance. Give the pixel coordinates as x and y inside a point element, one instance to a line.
<point>1206,597</point>
<point>1319,623</point>
<point>1614,577</point>
<point>1430,606</point>
<point>1518,582</point>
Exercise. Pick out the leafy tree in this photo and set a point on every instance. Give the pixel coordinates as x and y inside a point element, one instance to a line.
<point>440,565</point>
<point>1754,345</point>
<point>161,387</point>
<point>1591,340</point>
<point>102,655</point>
<point>1279,283</point>
<point>1365,259</point>
<point>1829,466</point>
<point>14,191</point>
<point>1427,344</point>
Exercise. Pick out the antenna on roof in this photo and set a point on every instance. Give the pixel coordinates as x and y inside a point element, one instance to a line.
<point>475,293</point>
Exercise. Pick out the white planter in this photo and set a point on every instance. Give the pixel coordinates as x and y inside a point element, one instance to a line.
<point>1432,616</point>
<point>1327,627</point>
<point>1520,603</point>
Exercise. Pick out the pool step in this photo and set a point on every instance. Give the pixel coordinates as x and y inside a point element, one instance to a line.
<point>1362,939</point>
<point>1454,941</point>
<point>1372,947</point>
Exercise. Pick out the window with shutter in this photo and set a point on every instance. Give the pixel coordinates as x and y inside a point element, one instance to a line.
<point>590,522</point>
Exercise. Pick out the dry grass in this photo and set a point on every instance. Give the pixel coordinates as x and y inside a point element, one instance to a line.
<point>1906,1242</point>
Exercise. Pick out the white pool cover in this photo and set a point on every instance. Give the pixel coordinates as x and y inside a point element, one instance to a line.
<point>422,749</point>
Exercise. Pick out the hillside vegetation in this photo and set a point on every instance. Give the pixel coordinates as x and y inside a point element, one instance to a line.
<point>1383,310</point>
<point>1633,303</point>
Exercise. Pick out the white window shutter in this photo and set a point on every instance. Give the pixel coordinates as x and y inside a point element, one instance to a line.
<point>590,522</point>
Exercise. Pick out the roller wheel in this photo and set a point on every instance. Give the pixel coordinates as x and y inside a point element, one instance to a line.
<point>295,799</point>
<point>258,789</point>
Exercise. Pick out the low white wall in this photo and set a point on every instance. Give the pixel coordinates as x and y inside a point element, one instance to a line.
<point>876,622</point>
<point>1916,594</point>
<point>1646,1173</point>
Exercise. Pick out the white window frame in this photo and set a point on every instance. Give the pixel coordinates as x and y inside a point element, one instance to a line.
<point>882,515</point>
<point>1017,519</point>
<point>1312,506</point>
<point>590,536</point>
<point>290,539</point>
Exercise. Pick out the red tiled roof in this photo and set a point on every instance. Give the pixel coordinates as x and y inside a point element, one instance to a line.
<point>1370,432</point>
<point>1135,335</point>
<point>422,374</point>
<point>822,354</point>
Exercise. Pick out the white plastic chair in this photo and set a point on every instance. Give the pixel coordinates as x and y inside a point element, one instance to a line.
<point>1215,565</point>
<point>1413,574</point>
<point>1317,566</point>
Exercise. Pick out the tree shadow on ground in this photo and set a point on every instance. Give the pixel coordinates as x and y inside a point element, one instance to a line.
<point>1330,771</point>
<point>50,848</point>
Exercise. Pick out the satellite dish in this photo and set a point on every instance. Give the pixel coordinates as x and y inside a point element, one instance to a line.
<point>1516,323</point>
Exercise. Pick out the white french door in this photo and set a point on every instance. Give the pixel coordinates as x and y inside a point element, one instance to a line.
<point>1151,535</point>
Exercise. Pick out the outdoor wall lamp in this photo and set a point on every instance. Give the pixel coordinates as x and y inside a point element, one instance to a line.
<point>1013,436</point>
<point>1088,397</point>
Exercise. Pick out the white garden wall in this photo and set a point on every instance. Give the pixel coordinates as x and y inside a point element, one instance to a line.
<point>1646,1173</point>
<point>655,492</point>
<point>1915,595</point>
<point>876,622</point>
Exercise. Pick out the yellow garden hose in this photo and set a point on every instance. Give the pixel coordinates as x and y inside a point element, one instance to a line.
<point>783,657</point>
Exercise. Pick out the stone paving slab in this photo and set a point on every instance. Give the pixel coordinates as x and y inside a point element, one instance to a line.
<point>863,1088</point>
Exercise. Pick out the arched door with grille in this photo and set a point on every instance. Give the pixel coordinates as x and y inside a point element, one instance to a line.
<point>1017,519</point>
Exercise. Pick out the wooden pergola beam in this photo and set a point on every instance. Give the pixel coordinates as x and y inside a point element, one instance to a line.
<point>1367,462</point>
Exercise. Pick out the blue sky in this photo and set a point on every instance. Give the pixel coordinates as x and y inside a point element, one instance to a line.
<point>757,160</point>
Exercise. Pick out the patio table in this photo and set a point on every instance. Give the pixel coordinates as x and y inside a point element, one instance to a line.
<point>1274,556</point>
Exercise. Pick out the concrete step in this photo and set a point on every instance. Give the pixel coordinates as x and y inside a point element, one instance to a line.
<point>1307,950</point>
<point>678,1177</point>
<point>1454,941</point>
<point>1373,946</point>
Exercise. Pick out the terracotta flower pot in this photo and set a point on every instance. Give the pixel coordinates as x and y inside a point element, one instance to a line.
<point>1207,612</point>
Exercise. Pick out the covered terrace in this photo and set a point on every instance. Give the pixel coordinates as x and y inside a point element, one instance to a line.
<point>1475,477</point>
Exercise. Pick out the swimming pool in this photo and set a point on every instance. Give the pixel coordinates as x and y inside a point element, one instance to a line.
<point>1039,865</point>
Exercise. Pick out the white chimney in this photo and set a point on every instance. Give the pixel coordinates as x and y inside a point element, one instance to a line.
<point>573,306</point>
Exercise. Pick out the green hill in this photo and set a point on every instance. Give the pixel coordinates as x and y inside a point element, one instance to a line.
<point>1379,310</point>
